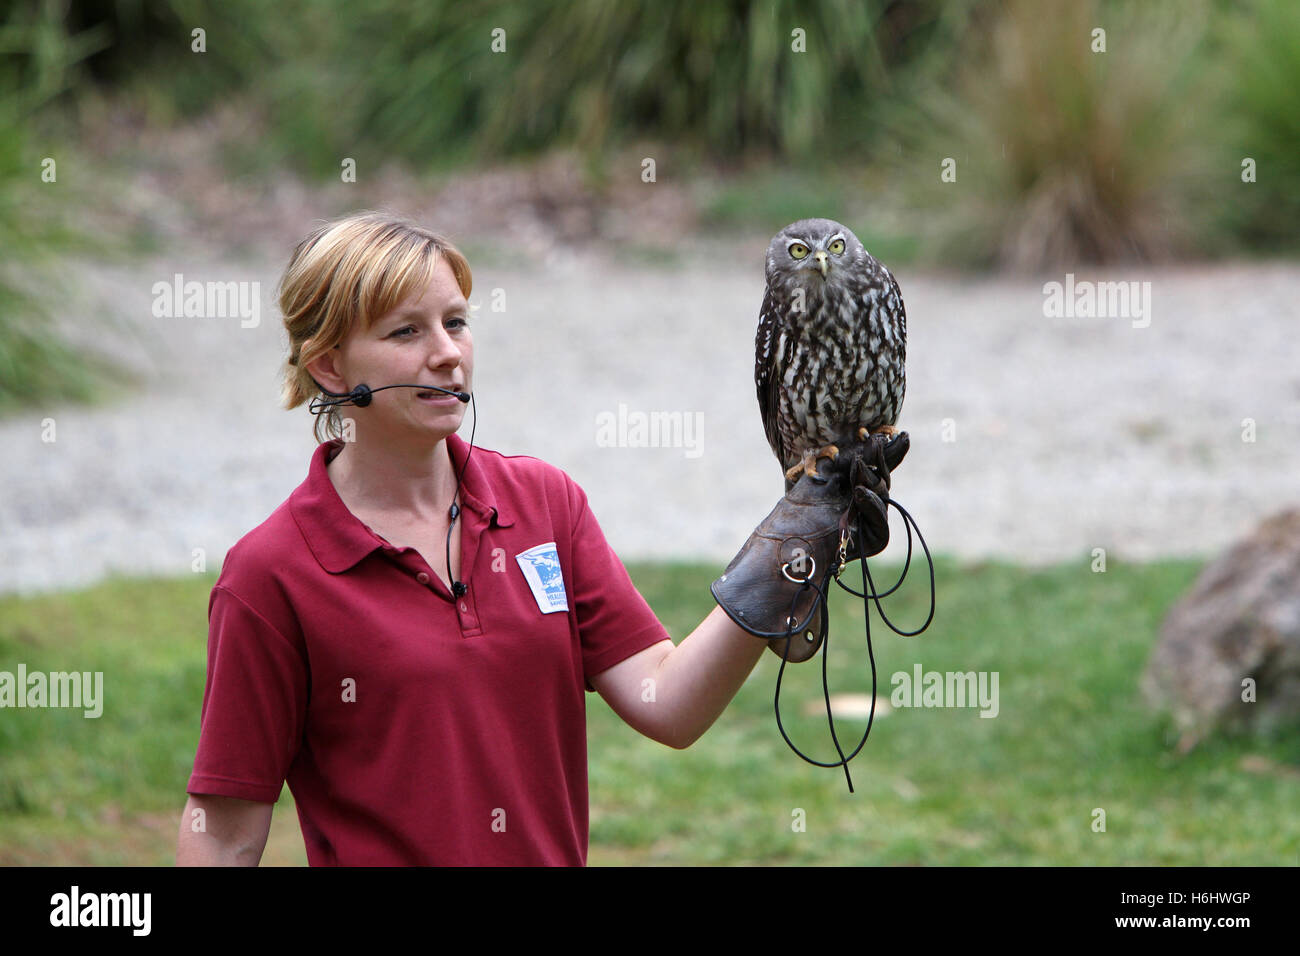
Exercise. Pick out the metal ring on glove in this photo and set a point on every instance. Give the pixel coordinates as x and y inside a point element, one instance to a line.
<point>808,636</point>
<point>785,569</point>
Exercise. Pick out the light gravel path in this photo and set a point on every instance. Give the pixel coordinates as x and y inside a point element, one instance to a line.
<point>1070,434</point>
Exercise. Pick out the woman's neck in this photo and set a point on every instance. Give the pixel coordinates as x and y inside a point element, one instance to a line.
<point>394,479</point>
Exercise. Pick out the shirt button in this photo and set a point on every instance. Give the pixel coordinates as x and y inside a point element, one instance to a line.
<point>422,578</point>
<point>463,607</point>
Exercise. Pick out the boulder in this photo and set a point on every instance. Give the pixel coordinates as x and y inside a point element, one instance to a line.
<point>1239,623</point>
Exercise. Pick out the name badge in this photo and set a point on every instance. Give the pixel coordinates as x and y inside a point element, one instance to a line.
<point>541,567</point>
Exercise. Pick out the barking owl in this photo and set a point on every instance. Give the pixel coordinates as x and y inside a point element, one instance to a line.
<point>832,339</point>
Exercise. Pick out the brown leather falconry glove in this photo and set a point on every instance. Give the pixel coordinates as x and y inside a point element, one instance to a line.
<point>763,589</point>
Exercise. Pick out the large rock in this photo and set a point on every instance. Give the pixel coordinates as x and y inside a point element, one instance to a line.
<point>1240,620</point>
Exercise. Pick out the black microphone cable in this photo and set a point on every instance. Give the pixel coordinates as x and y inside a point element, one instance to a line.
<point>361,397</point>
<point>457,587</point>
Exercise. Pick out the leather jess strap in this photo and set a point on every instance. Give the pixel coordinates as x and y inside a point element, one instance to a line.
<point>777,587</point>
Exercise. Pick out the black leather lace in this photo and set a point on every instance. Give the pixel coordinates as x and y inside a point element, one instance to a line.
<point>868,594</point>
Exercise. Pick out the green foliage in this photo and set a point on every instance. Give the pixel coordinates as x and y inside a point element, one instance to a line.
<point>1063,155</point>
<point>722,74</point>
<point>36,365</point>
<point>720,77</point>
<point>423,81</point>
<point>40,55</point>
<point>1262,122</point>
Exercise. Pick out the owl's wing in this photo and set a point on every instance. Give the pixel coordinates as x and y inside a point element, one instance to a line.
<point>894,302</point>
<point>768,374</point>
<point>893,315</point>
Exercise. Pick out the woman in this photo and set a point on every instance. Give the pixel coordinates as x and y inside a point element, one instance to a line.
<point>407,639</point>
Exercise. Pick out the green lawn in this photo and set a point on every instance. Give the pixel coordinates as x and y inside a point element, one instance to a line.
<point>934,786</point>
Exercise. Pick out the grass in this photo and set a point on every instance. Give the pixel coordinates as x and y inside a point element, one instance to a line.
<point>934,786</point>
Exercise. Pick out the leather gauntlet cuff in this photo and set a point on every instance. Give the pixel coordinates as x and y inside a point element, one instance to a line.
<point>763,588</point>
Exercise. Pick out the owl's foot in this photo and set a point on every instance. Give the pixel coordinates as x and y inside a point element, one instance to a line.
<point>887,430</point>
<point>809,464</point>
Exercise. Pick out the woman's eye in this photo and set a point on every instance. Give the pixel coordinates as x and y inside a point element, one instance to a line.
<point>457,323</point>
<point>400,333</point>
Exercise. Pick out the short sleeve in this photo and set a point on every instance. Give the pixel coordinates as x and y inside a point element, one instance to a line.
<point>254,704</point>
<point>614,620</point>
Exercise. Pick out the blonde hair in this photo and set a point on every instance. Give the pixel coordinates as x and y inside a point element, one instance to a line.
<point>349,271</point>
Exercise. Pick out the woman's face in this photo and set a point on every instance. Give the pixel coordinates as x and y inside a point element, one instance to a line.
<point>424,340</point>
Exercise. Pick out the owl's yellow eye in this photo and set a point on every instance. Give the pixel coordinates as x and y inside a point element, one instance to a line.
<point>837,246</point>
<point>798,250</point>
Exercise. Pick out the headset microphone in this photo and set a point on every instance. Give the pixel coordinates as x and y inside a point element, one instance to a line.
<point>361,395</point>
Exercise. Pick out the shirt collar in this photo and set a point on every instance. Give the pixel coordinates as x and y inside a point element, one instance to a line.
<point>338,538</point>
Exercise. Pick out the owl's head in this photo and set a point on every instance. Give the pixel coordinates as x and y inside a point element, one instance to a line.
<point>813,253</point>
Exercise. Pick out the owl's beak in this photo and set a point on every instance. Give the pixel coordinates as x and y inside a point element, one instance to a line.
<point>822,262</point>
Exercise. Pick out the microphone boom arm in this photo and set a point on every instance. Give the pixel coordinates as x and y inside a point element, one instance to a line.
<point>360,396</point>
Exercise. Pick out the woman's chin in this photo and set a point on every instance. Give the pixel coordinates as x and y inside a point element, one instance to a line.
<point>440,425</point>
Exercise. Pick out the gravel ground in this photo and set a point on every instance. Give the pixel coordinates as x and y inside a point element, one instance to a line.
<point>1033,439</point>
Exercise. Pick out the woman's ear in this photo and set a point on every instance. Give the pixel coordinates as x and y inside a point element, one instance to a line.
<point>324,372</point>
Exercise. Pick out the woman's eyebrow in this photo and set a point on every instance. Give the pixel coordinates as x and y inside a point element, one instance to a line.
<point>408,312</point>
<point>399,314</point>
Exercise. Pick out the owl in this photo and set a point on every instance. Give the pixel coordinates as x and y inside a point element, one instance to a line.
<point>831,343</point>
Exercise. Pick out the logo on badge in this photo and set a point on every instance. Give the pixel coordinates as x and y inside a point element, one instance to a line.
<point>541,567</point>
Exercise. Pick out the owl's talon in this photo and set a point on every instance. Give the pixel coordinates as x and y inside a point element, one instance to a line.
<point>808,465</point>
<point>864,433</point>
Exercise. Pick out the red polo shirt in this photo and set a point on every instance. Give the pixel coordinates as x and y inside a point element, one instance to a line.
<point>414,727</point>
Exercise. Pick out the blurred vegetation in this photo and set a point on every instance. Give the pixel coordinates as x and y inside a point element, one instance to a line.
<point>443,82</point>
<point>1261,114</point>
<point>1063,155</point>
<point>39,60</point>
<point>934,786</point>
<point>1062,150</point>
<point>751,200</point>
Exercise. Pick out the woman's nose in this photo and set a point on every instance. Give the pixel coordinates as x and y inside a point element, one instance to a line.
<point>443,349</point>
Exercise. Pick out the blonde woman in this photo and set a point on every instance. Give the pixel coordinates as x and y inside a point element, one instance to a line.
<point>408,639</point>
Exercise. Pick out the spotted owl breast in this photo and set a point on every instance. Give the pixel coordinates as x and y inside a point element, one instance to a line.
<point>842,372</point>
